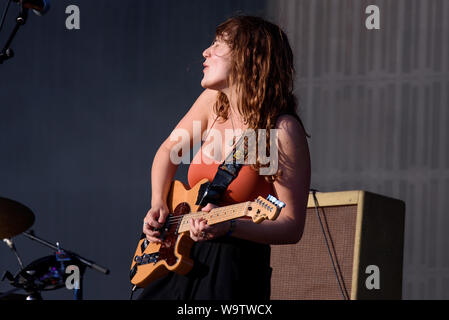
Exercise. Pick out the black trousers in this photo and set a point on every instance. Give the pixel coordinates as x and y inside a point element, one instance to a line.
<point>224,269</point>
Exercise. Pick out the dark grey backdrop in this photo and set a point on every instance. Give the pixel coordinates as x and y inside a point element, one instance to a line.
<point>83,112</point>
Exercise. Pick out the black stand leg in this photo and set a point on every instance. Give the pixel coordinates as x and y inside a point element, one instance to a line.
<point>79,291</point>
<point>7,52</point>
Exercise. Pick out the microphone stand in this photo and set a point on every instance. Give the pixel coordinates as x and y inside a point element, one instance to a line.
<point>57,248</point>
<point>7,52</point>
<point>90,264</point>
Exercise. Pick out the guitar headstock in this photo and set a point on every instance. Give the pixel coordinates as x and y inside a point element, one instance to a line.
<point>263,209</point>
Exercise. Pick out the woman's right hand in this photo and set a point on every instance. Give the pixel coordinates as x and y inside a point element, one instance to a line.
<point>155,219</point>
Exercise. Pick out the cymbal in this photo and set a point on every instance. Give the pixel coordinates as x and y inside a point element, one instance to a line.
<point>15,218</point>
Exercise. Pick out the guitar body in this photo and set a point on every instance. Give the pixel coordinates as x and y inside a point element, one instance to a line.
<point>173,254</point>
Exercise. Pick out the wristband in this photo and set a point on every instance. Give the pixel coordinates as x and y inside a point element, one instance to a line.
<point>231,228</point>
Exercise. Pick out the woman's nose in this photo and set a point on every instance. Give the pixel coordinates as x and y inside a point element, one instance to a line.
<point>206,52</point>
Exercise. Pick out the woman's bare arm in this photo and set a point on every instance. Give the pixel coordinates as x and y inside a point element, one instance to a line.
<point>292,188</point>
<point>163,169</point>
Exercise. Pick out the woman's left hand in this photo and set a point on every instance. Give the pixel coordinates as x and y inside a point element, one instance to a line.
<point>201,231</point>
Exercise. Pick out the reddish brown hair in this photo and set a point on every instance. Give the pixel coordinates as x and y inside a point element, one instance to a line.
<point>262,71</point>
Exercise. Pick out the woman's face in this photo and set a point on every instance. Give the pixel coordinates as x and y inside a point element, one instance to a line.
<point>217,65</point>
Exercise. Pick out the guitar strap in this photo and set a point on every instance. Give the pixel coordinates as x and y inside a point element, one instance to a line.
<point>212,192</point>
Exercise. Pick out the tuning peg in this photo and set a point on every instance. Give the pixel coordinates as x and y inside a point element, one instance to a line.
<point>275,201</point>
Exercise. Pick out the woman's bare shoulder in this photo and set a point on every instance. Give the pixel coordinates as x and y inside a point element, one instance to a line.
<point>205,103</point>
<point>209,94</point>
<point>290,126</point>
<point>208,98</point>
<point>292,143</point>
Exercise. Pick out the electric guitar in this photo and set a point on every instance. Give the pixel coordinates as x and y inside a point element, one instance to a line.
<point>152,261</point>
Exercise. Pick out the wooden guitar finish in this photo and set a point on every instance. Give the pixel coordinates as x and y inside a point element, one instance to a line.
<point>152,261</point>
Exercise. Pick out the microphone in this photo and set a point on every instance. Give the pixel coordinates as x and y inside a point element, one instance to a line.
<point>40,7</point>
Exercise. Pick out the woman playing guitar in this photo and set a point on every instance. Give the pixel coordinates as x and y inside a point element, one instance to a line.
<point>248,81</point>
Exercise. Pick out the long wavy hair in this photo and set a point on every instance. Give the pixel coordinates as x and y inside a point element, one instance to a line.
<point>262,71</point>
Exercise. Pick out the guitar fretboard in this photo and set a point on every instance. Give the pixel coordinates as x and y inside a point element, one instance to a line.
<point>216,215</point>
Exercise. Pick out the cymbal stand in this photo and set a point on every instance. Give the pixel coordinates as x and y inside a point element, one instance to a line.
<point>11,246</point>
<point>7,52</point>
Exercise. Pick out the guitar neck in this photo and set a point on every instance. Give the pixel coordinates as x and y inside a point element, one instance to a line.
<point>216,215</point>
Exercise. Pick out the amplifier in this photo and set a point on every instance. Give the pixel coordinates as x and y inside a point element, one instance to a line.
<point>364,235</point>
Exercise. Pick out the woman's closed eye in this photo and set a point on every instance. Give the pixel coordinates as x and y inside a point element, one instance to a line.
<point>215,43</point>
<point>219,48</point>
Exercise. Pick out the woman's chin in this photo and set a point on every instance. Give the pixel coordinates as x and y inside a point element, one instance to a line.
<point>207,85</point>
<point>212,85</point>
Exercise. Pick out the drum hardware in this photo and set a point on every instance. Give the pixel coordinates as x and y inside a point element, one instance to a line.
<point>39,8</point>
<point>11,246</point>
<point>46,273</point>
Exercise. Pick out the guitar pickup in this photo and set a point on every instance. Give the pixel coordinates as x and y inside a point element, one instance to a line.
<point>144,245</point>
<point>147,258</point>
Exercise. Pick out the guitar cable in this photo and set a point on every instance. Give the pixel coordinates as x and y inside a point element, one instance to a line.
<point>338,274</point>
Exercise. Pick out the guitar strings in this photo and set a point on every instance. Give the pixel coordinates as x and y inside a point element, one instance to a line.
<point>176,219</point>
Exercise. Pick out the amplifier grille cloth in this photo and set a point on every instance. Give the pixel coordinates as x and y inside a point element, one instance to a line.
<point>304,271</point>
